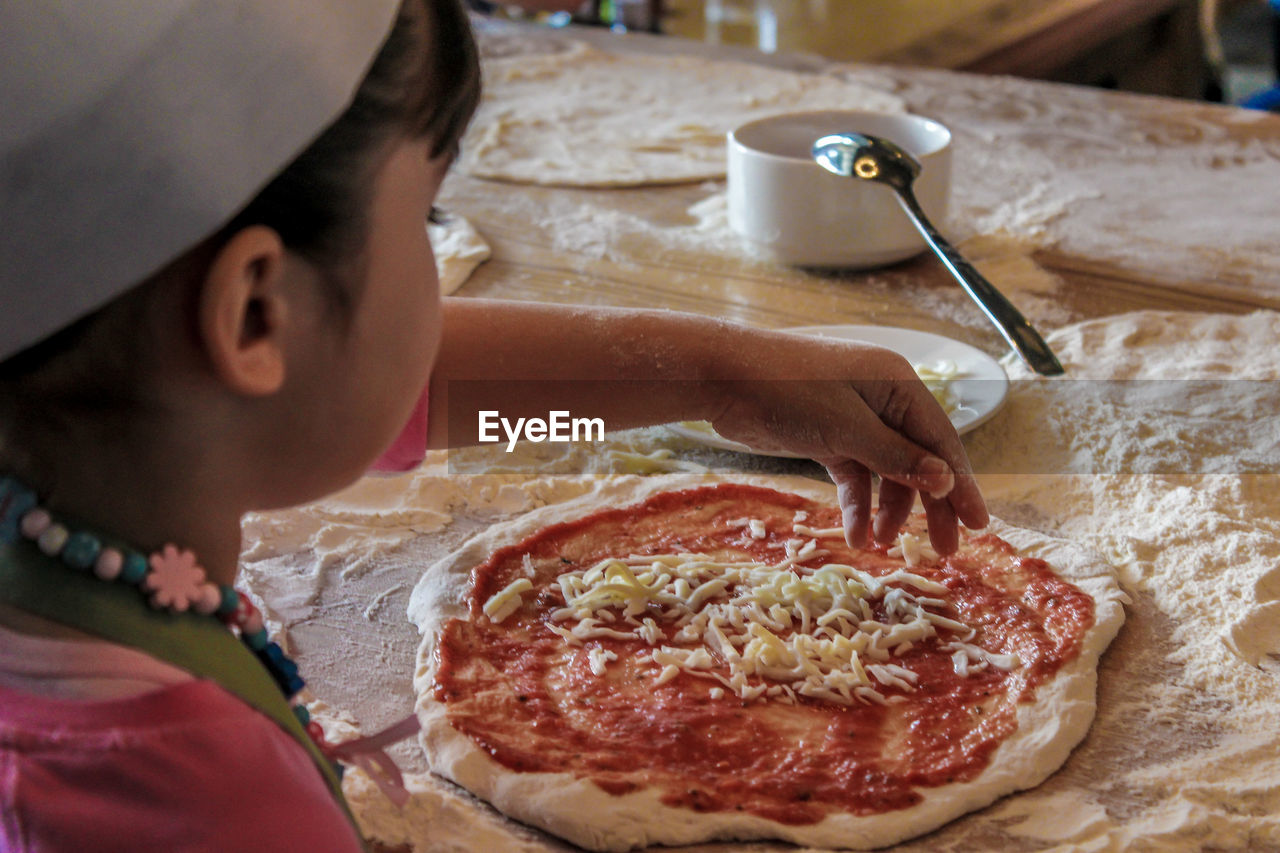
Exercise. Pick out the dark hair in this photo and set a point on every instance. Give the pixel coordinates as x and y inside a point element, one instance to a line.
<point>424,83</point>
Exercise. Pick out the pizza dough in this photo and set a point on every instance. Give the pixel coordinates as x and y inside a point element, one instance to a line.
<point>458,248</point>
<point>580,811</point>
<point>584,117</point>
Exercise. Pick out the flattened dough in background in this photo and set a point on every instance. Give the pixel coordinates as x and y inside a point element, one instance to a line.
<point>458,248</point>
<point>588,118</point>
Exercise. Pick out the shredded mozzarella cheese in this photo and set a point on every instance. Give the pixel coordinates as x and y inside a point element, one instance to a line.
<point>938,378</point>
<point>598,659</point>
<point>913,550</point>
<point>508,600</point>
<point>778,629</point>
<point>817,533</point>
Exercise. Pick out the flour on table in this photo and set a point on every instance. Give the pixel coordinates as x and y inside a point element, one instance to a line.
<point>586,117</point>
<point>348,533</point>
<point>1184,749</point>
<point>588,226</point>
<point>458,248</point>
<point>1153,186</point>
<point>1200,547</point>
<point>712,230</point>
<point>1008,263</point>
<point>1005,259</point>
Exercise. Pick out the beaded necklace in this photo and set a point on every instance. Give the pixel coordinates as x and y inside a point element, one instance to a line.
<point>171,579</point>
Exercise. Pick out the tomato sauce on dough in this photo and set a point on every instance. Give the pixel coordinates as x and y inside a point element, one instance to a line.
<point>531,700</point>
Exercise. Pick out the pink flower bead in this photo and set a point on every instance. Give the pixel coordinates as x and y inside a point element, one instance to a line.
<point>35,522</point>
<point>174,580</point>
<point>108,565</point>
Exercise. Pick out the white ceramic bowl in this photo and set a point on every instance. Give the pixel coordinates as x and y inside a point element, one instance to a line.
<point>783,201</point>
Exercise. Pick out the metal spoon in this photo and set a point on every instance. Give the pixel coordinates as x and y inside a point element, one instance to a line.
<point>871,158</point>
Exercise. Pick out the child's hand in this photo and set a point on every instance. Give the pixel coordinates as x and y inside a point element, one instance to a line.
<point>858,410</point>
<point>855,408</point>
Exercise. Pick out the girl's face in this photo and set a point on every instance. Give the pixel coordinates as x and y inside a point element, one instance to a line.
<point>376,370</point>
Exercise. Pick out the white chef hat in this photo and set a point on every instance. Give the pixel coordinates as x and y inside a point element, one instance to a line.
<point>132,129</point>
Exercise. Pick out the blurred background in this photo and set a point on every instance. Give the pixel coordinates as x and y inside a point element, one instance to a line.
<point>1217,50</point>
<point>1250,37</point>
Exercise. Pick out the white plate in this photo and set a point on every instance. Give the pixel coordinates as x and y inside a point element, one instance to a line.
<point>978,389</point>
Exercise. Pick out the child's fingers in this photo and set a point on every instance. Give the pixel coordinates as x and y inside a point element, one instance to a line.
<point>896,503</point>
<point>898,457</point>
<point>944,535</point>
<point>921,452</point>
<point>893,427</point>
<point>853,490</point>
<point>966,500</point>
<point>933,458</point>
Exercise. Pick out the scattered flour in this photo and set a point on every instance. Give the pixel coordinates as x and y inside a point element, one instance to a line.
<point>560,118</point>
<point>1004,258</point>
<point>714,235</point>
<point>1201,552</point>
<point>1042,162</point>
<point>1184,753</point>
<point>458,248</point>
<point>586,117</point>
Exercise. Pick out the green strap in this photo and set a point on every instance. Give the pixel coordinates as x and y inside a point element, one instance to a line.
<point>199,644</point>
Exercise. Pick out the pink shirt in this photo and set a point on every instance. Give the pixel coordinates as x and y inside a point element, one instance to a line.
<point>183,768</point>
<point>93,758</point>
<point>410,447</point>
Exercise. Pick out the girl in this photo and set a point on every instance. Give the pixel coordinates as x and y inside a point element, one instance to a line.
<point>200,321</point>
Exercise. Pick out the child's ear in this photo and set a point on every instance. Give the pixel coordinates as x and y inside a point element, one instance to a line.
<point>243,311</point>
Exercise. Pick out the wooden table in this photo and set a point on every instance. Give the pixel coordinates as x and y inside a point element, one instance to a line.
<point>1119,246</point>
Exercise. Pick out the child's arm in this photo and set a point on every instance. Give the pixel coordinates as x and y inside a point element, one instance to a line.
<point>856,409</point>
